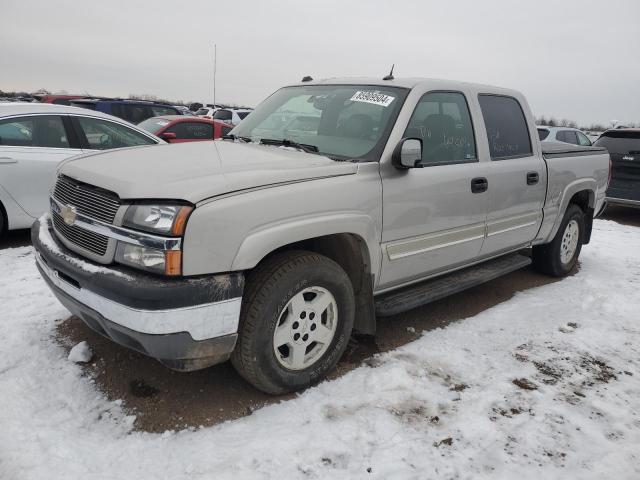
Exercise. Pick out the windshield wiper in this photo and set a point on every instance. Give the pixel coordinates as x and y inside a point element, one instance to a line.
<point>231,136</point>
<point>290,143</point>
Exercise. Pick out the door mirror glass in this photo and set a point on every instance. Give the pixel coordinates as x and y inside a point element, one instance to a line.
<point>408,153</point>
<point>168,136</point>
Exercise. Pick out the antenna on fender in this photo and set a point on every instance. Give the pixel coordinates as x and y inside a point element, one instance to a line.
<point>390,76</point>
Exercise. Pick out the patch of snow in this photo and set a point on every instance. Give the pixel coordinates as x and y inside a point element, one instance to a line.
<point>81,353</point>
<point>411,330</point>
<point>455,403</point>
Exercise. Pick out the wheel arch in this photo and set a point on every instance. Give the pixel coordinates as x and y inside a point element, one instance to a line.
<point>582,193</point>
<point>351,252</point>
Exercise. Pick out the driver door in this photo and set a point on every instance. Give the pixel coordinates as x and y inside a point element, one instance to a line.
<point>433,216</point>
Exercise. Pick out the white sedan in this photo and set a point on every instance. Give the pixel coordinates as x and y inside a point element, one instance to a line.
<point>35,138</point>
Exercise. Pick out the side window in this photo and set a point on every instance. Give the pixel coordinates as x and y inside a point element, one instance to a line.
<point>443,122</point>
<point>49,132</point>
<point>570,137</point>
<point>224,115</point>
<point>38,131</point>
<point>583,140</point>
<point>104,135</point>
<point>560,136</point>
<point>543,133</point>
<point>159,111</point>
<point>192,131</point>
<point>132,113</point>
<point>506,126</point>
<point>17,132</point>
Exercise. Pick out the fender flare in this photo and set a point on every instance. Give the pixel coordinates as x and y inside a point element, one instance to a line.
<point>268,238</point>
<point>579,185</point>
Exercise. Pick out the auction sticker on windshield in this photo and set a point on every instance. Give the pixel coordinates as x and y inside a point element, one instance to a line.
<point>376,98</point>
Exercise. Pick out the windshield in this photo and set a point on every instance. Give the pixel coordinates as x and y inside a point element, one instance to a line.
<point>341,121</point>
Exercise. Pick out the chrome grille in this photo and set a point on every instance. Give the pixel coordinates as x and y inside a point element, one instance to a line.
<point>94,242</point>
<point>87,200</point>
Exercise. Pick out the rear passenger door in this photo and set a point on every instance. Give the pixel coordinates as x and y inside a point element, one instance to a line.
<point>516,175</point>
<point>434,217</point>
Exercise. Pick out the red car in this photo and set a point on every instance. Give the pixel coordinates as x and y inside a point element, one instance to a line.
<point>180,128</point>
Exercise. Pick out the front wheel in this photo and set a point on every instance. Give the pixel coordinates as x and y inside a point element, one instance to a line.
<point>296,320</point>
<point>560,256</point>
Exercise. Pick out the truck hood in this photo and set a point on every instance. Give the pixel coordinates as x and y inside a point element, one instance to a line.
<point>196,171</point>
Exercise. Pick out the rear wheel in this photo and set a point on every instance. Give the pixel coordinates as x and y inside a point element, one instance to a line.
<point>560,256</point>
<point>296,320</point>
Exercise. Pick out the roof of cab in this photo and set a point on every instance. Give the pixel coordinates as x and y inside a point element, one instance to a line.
<point>409,83</point>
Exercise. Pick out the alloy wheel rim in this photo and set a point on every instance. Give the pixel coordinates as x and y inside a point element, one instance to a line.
<point>569,243</point>
<point>305,329</point>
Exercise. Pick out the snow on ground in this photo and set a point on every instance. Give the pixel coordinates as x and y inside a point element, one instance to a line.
<point>545,385</point>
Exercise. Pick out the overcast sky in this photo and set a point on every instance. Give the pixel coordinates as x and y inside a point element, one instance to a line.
<point>572,59</point>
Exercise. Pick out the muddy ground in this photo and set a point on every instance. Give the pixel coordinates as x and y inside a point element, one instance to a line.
<point>162,399</point>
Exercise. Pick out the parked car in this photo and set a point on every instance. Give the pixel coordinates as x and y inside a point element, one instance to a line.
<point>206,112</point>
<point>231,115</point>
<point>184,110</point>
<point>58,99</point>
<point>35,138</point>
<point>563,134</point>
<point>624,147</point>
<point>133,111</point>
<point>272,249</point>
<point>178,128</point>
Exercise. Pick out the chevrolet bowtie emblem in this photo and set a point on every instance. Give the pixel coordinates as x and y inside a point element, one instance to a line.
<point>68,214</point>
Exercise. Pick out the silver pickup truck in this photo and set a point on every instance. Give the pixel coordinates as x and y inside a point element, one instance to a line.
<point>332,204</point>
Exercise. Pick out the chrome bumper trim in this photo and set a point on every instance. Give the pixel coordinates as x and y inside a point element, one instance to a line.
<point>123,234</point>
<point>200,321</point>
<point>623,201</point>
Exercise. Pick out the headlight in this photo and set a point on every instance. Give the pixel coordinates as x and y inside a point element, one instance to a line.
<point>167,262</point>
<point>161,219</point>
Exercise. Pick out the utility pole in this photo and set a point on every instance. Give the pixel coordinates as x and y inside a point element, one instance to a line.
<point>215,58</point>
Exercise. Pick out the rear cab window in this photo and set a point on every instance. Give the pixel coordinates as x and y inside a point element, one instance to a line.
<point>507,130</point>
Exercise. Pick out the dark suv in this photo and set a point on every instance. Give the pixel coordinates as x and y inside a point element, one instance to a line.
<point>624,146</point>
<point>134,111</point>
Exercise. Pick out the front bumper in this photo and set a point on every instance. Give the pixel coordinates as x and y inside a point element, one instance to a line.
<point>187,323</point>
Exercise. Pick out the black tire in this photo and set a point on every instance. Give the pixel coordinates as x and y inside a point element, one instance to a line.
<point>269,289</point>
<point>3,221</point>
<point>548,258</point>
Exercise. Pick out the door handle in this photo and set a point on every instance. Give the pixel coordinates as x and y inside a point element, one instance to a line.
<point>479,185</point>
<point>8,160</point>
<point>532,178</point>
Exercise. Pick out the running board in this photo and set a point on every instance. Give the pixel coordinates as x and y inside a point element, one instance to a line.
<point>431,290</point>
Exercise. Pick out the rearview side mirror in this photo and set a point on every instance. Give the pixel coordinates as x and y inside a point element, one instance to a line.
<point>408,153</point>
<point>168,136</point>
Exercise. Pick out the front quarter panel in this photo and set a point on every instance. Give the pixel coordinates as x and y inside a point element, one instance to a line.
<point>234,232</point>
